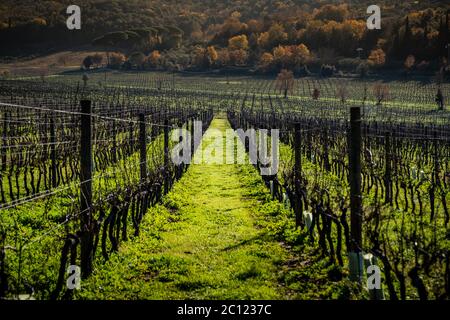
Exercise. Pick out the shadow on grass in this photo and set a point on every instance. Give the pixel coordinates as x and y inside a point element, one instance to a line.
<point>260,236</point>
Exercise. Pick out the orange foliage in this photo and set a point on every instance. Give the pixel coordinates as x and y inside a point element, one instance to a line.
<point>238,57</point>
<point>266,60</point>
<point>331,12</point>
<point>212,54</point>
<point>238,43</point>
<point>154,58</point>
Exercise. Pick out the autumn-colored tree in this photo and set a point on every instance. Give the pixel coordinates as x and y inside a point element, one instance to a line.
<point>238,43</point>
<point>342,92</point>
<point>381,93</point>
<point>300,55</point>
<point>154,58</point>
<point>266,61</point>
<point>197,36</point>
<point>238,57</point>
<point>285,82</point>
<point>232,26</point>
<point>277,34</point>
<point>200,57</point>
<point>281,55</point>
<point>354,28</point>
<point>264,40</point>
<point>342,36</point>
<point>116,60</point>
<point>223,57</point>
<point>377,58</point>
<point>39,22</point>
<point>291,56</point>
<point>331,12</point>
<point>237,49</point>
<point>424,32</point>
<point>235,15</point>
<point>212,55</point>
<point>255,26</point>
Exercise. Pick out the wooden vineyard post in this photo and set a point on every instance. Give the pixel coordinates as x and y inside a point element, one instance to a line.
<point>326,151</point>
<point>131,134</point>
<point>298,173</point>
<point>387,177</point>
<point>166,156</point>
<point>354,143</point>
<point>4,140</point>
<point>435,179</point>
<point>192,138</point>
<point>87,236</point>
<point>53,151</point>
<point>114,146</point>
<point>436,159</point>
<point>3,276</point>
<point>173,81</point>
<point>142,147</point>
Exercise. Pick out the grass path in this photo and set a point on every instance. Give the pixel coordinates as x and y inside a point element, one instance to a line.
<point>202,243</point>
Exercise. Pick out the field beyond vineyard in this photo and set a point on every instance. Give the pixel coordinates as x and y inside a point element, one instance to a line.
<point>87,179</point>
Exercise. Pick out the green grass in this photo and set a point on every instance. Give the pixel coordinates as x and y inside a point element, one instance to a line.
<point>36,230</point>
<point>217,235</point>
<point>201,243</point>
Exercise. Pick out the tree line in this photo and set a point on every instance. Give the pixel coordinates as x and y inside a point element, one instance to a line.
<point>259,34</point>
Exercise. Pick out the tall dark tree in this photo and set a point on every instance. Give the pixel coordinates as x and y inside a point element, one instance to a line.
<point>407,37</point>
<point>441,39</point>
<point>396,47</point>
<point>447,36</point>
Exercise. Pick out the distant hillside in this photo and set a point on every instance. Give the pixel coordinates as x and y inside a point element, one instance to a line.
<point>262,34</point>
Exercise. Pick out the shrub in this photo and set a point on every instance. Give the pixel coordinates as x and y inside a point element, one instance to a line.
<point>363,69</point>
<point>304,71</point>
<point>381,93</point>
<point>327,70</point>
<point>116,60</point>
<point>285,81</point>
<point>97,59</point>
<point>6,74</point>
<point>137,59</point>
<point>349,63</point>
<point>88,62</point>
<point>377,58</point>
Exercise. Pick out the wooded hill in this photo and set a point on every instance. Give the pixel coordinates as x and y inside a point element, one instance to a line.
<point>264,34</point>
